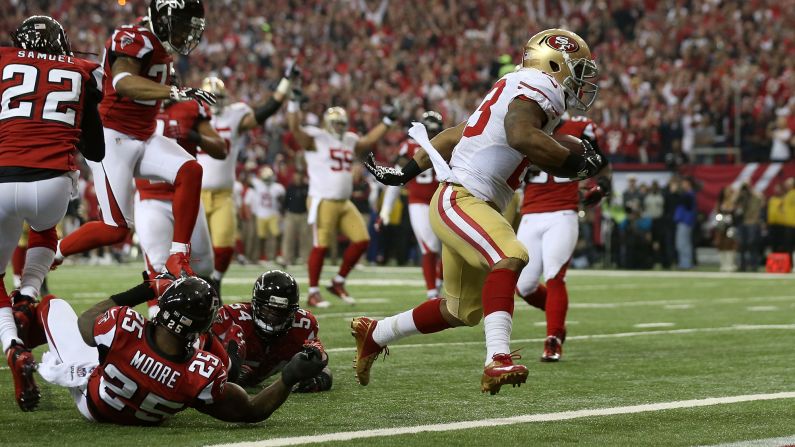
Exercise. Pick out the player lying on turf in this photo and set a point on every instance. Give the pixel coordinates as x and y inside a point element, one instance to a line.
<point>150,370</point>
<point>481,256</point>
<point>262,336</point>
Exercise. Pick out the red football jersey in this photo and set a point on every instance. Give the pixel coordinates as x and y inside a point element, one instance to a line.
<point>174,121</point>
<point>135,384</point>
<point>42,107</point>
<point>545,193</point>
<point>135,118</point>
<point>266,359</point>
<point>422,187</point>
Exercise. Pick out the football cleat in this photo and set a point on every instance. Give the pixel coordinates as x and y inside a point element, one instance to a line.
<point>24,308</point>
<point>553,349</point>
<point>502,371</point>
<point>177,264</point>
<point>338,288</point>
<point>367,350</point>
<point>22,365</point>
<point>316,300</point>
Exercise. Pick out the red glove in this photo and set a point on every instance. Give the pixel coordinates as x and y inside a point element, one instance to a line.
<point>159,282</point>
<point>233,336</point>
<point>596,193</point>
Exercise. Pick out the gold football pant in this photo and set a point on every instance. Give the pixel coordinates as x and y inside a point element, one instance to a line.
<point>334,215</point>
<point>474,236</point>
<point>219,207</point>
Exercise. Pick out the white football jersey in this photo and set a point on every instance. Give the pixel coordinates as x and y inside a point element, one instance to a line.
<point>329,165</point>
<point>482,161</point>
<point>220,174</point>
<point>267,198</point>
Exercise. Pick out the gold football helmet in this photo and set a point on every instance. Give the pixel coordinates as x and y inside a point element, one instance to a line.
<point>215,86</point>
<point>335,120</point>
<point>566,57</point>
<point>266,174</point>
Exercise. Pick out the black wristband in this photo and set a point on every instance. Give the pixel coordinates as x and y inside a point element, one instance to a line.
<point>264,111</point>
<point>135,296</point>
<point>573,164</point>
<point>411,170</point>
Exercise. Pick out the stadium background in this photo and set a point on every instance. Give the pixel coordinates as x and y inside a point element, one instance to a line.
<point>689,90</point>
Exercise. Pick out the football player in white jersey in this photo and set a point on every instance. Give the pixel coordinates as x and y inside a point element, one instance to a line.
<point>330,153</point>
<point>231,122</point>
<point>268,197</point>
<point>481,255</point>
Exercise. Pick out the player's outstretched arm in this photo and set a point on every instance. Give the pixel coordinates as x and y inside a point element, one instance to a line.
<point>128,84</point>
<point>366,143</point>
<point>294,122</point>
<point>211,143</point>
<point>523,129</point>
<point>237,406</point>
<point>272,105</point>
<point>444,143</point>
<point>86,320</point>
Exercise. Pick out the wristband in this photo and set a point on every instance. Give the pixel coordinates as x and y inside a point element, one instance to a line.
<point>293,106</point>
<point>135,296</point>
<point>119,77</point>
<point>388,121</point>
<point>284,86</point>
<point>411,170</point>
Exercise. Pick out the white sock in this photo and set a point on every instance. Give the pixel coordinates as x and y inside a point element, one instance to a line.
<point>153,310</point>
<point>314,290</point>
<point>58,255</point>
<point>339,279</point>
<point>8,329</point>
<point>37,264</point>
<point>392,329</point>
<point>438,284</point>
<point>17,281</point>
<point>178,247</point>
<point>216,275</point>
<point>497,326</point>
<point>433,293</point>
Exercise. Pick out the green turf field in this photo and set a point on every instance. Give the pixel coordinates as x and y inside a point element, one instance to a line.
<point>634,339</point>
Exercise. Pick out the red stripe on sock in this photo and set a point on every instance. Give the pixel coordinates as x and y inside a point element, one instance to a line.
<point>498,291</point>
<point>428,317</point>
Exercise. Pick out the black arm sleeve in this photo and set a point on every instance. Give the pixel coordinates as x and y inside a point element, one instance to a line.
<point>92,137</point>
<point>264,111</point>
<point>135,296</point>
<point>233,351</point>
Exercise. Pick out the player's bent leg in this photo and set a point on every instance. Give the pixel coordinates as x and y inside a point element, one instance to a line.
<point>528,287</point>
<point>323,229</point>
<point>39,259</point>
<point>429,244</point>
<point>202,257</point>
<point>353,226</point>
<point>155,225</point>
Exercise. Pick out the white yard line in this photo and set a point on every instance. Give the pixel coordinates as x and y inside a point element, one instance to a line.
<point>649,325</point>
<point>522,419</point>
<point>515,342</point>
<point>768,442</point>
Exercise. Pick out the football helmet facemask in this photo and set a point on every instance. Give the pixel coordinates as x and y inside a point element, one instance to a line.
<point>187,308</point>
<point>432,121</point>
<point>266,174</point>
<point>274,301</point>
<point>43,34</point>
<point>335,121</point>
<point>179,24</point>
<point>566,57</point>
<point>215,86</point>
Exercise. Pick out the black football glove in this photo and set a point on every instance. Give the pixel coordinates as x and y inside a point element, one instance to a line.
<point>392,176</point>
<point>188,93</point>
<point>391,113</point>
<point>304,365</point>
<point>321,382</point>
<point>292,71</point>
<point>593,161</point>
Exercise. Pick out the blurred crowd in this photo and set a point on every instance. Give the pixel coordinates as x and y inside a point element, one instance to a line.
<point>676,75</point>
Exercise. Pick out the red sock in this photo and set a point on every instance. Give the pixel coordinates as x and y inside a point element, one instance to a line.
<point>557,304</point>
<point>428,317</point>
<point>538,298</point>
<point>239,247</point>
<point>18,260</point>
<point>223,257</point>
<point>429,269</point>
<point>351,256</point>
<point>187,197</point>
<point>5,300</point>
<point>46,239</point>
<point>315,265</point>
<point>498,291</point>
<point>92,235</point>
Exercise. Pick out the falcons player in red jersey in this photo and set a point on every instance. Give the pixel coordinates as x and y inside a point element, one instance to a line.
<point>123,369</point>
<point>549,229</point>
<point>421,190</point>
<point>48,110</point>
<point>262,336</point>
<point>187,122</point>
<point>137,66</point>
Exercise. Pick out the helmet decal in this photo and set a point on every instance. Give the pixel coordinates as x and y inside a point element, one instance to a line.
<point>562,43</point>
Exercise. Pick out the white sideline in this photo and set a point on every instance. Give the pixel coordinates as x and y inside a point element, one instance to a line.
<point>523,419</point>
<point>515,342</point>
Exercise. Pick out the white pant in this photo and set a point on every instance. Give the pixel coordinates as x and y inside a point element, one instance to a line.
<point>550,239</point>
<point>158,158</point>
<point>69,356</point>
<point>419,215</point>
<point>154,224</point>
<point>42,204</point>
